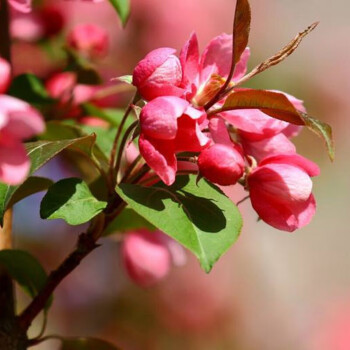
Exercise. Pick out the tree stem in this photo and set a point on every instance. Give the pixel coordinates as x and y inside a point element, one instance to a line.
<point>5,40</point>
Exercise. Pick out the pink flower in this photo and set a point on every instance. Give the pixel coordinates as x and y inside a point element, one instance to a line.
<point>18,121</point>
<point>64,87</point>
<point>280,191</point>
<point>5,75</point>
<point>277,144</point>
<point>204,75</point>
<point>21,5</point>
<point>221,164</point>
<point>158,74</point>
<point>89,39</point>
<point>169,125</point>
<point>148,256</point>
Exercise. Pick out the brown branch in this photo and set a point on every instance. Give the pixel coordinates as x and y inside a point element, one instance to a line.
<point>5,41</point>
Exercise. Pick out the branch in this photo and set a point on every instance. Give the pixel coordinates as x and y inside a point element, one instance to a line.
<point>5,40</point>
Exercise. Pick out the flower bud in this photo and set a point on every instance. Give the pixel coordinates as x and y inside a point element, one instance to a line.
<point>89,39</point>
<point>146,257</point>
<point>158,74</point>
<point>280,191</point>
<point>221,164</point>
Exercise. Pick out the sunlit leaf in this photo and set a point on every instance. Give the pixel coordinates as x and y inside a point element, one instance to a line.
<point>199,216</point>
<point>70,200</point>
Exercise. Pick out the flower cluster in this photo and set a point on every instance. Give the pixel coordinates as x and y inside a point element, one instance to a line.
<point>18,121</point>
<point>243,146</point>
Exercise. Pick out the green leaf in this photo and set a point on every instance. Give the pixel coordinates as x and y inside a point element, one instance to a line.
<point>29,88</point>
<point>128,220</point>
<point>10,195</point>
<point>56,130</point>
<point>200,217</point>
<point>25,270</point>
<point>86,344</point>
<point>123,9</point>
<point>70,200</point>
<point>104,137</point>
<point>242,27</point>
<point>40,153</point>
<point>322,130</point>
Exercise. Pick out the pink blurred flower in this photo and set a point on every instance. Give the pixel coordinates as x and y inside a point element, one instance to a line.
<point>148,256</point>
<point>18,121</point>
<point>280,191</point>
<point>21,5</point>
<point>64,87</point>
<point>169,125</point>
<point>89,40</point>
<point>5,75</point>
<point>158,74</point>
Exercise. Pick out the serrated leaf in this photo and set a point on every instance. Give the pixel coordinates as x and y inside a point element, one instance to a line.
<point>70,200</point>
<point>87,344</point>
<point>25,270</point>
<point>123,9</point>
<point>200,217</point>
<point>271,103</point>
<point>128,220</point>
<point>241,27</point>
<point>40,153</point>
<point>29,88</point>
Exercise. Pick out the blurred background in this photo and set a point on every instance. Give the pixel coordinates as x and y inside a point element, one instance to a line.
<point>272,290</point>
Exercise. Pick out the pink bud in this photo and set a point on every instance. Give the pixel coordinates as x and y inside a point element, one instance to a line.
<point>89,39</point>
<point>5,75</point>
<point>24,6</point>
<point>280,191</point>
<point>146,257</point>
<point>52,20</point>
<point>221,164</point>
<point>158,74</point>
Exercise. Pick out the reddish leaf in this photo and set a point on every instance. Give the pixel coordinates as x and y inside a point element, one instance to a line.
<point>273,104</point>
<point>241,27</point>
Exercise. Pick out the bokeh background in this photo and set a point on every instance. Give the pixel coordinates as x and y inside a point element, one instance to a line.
<point>272,290</point>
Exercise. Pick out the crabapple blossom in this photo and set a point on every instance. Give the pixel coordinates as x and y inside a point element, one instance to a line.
<point>170,125</point>
<point>89,39</point>
<point>148,256</point>
<point>158,74</point>
<point>280,191</point>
